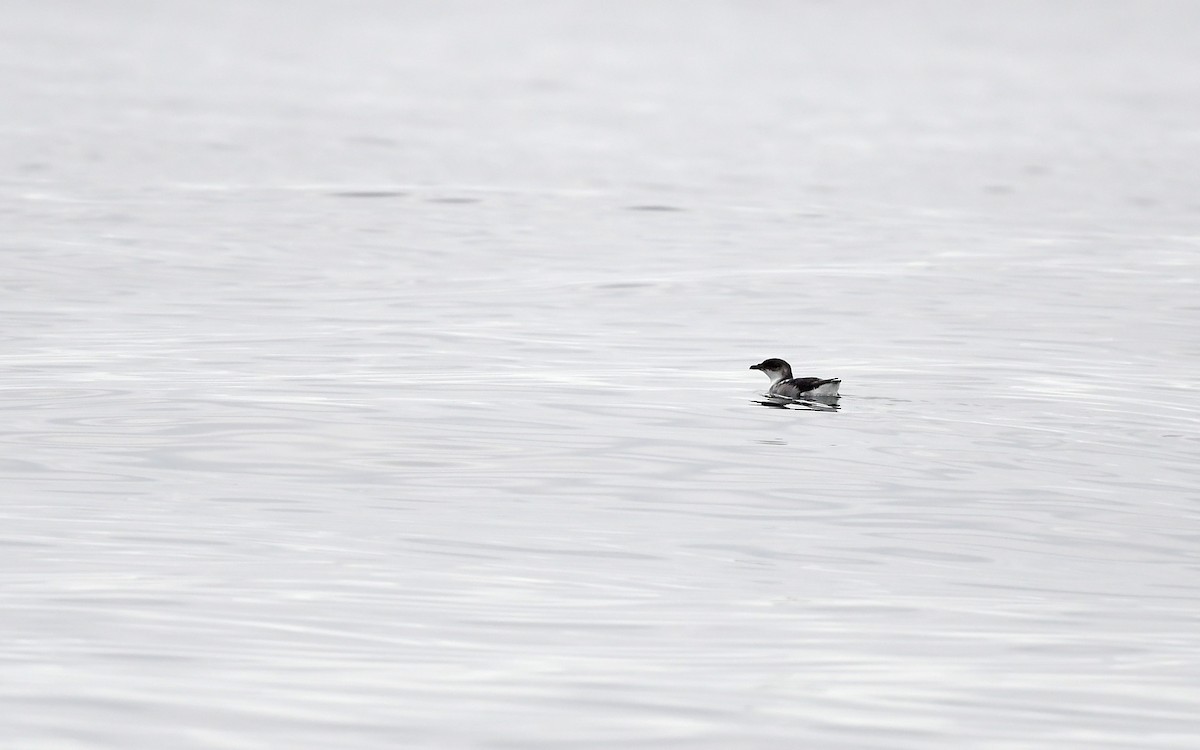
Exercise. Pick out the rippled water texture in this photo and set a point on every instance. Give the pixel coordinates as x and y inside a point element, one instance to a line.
<point>375,375</point>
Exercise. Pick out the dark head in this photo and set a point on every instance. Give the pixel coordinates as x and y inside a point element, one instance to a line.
<point>775,369</point>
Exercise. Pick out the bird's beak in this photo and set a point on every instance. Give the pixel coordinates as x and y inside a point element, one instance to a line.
<point>755,367</point>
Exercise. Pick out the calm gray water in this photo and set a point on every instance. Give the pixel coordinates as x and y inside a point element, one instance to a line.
<point>375,375</point>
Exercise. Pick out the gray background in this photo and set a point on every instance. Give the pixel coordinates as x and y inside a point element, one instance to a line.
<point>375,375</point>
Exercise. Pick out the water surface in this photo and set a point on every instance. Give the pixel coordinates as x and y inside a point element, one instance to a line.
<point>377,377</point>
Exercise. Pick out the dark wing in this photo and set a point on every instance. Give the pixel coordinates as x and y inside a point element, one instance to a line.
<point>804,385</point>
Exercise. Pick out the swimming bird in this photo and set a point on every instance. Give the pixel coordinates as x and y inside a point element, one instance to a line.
<point>783,384</point>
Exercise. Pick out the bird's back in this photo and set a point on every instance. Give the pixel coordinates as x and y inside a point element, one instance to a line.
<point>797,387</point>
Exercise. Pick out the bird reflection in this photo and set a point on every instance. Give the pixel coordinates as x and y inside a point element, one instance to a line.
<point>812,403</point>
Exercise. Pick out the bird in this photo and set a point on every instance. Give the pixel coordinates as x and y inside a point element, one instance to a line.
<point>783,384</point>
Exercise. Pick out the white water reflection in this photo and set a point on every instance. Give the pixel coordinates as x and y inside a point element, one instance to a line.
<point>386,398</point>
